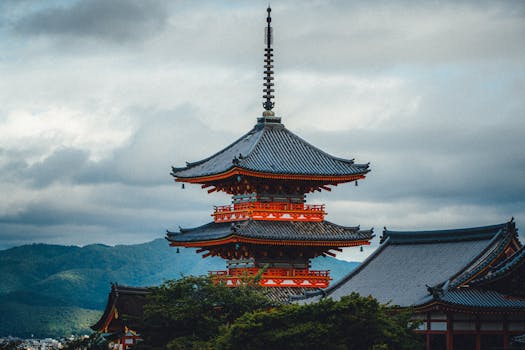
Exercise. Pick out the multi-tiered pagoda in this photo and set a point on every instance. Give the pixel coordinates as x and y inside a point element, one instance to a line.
<point>268,172</point>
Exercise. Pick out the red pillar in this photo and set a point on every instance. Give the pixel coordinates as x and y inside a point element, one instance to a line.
<point>449,332</point>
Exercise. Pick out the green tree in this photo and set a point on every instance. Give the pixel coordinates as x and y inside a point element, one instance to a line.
<point>188,313</point>
<point>354,322</point>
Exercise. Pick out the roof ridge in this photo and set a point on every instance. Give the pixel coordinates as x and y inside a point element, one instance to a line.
<point>462,275</point>
<point>255,143</point>
<point>503,268</point>
<point>253,130</point>
<point>448,229</point>
<point>344,160</point>
<point>355,271</point>
<point>444,235</point>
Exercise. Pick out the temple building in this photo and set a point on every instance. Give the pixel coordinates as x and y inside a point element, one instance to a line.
<point>118,323</point>
<point>465,286</point>
<point>268,224</point>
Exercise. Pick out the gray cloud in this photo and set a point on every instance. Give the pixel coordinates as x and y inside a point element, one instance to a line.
<point>115,20</point>
<point>429,93</point>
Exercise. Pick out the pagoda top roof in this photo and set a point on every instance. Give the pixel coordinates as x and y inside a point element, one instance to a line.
<point>271,148</point>
<point>419,267</point>
<point>322,233</point>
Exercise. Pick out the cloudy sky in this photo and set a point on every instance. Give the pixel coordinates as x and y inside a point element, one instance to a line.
<point>99,98</point>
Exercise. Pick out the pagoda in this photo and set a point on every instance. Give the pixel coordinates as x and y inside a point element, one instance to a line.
<point>268,229</point>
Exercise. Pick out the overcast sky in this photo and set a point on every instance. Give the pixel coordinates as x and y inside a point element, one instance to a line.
<point>98,99</point>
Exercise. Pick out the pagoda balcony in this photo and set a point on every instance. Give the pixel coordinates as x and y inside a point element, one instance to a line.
<point>271,211</point>
<point>273,277</point>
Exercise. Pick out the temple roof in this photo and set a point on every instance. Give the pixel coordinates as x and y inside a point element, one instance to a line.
<point>322,233</point>
<point>479,298</point>
<point>502,269</point>
<point>284,294</point>
<point>125,301</point>
<point>415,268</point>
<point>440,236</point>
<point>271,148</point>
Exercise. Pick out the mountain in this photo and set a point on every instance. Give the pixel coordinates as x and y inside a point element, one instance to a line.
<point>53,290</point>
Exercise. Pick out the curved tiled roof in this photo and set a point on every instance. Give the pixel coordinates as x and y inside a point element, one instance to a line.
<point>271,148</point>
<point>472,297</point>
<point>128,301</point>
<point>504,268</point>
<point>271,230</point>
<point>463,234</point>
<point>407,263</point>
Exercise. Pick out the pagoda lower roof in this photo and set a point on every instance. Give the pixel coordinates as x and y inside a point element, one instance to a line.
<point>270,148</point>
<point>271,232</point>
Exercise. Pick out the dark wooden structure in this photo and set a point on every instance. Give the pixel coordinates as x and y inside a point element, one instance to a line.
<point>118,323</point>
<point>466,286</point>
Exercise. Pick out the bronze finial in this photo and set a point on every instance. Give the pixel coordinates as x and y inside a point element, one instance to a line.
<point>268,84</point>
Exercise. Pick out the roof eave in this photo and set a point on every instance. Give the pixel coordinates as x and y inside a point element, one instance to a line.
<point>236,238</point>
<point>237,170</point>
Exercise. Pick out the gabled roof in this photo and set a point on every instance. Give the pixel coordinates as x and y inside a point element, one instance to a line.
<point>123,302</point>
<point>479,298</point>
<point>271,148</point>
<point>254,231</point>
<point>440,236</point>
<point>409,266</point>
<point>503,269</point>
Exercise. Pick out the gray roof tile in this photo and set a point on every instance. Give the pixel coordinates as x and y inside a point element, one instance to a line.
<point>271,148</point>
<point>400,270</point>
<point>272,230</point>
<point>502,269</point>
<point>473,297</point>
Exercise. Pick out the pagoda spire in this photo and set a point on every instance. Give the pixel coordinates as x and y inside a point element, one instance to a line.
<point>268,84</point>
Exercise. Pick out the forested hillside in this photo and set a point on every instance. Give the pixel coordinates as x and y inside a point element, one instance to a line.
<point>52,290</point>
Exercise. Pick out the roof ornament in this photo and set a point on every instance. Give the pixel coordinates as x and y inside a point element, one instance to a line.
<point>268,84</point>
<point>437,292</point>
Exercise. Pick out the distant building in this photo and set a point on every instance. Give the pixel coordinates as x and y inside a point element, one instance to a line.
<point>119,320</point>
<point>466,286</point>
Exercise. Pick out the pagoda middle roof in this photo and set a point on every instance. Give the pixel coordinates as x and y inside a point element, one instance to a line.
<point>271,148</point>
<point>270,232</point>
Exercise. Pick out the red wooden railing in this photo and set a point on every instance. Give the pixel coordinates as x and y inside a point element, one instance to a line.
<point>274,277</point>
<point>275,211</point>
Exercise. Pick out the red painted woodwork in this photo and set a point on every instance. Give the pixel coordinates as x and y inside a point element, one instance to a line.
<point>209,179</point>
<point>274,277</point>
<point>272,211</point>
<point>279,242</point>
